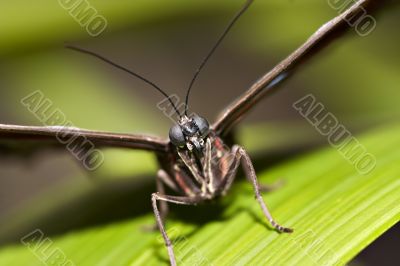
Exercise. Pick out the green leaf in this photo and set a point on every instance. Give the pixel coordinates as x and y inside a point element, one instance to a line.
<point>334,210</point>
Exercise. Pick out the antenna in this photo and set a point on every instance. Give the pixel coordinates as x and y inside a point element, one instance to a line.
<point>78,49</point>
<point>221,38</point>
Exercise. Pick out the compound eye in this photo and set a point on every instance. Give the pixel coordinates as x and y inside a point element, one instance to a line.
<point>176,136</point>
<point>202,124</point>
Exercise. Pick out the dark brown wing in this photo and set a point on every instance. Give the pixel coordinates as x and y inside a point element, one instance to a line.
<point>268,83</point>
<point>98,138</point>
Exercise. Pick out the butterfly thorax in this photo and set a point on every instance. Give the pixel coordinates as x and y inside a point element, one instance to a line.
<point>203,172</point>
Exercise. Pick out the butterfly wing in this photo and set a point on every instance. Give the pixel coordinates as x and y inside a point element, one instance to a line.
<point>270,81</point>
<point>58,136</point>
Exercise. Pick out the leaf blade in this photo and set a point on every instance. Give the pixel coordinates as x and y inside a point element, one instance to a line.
<point>335,212</point>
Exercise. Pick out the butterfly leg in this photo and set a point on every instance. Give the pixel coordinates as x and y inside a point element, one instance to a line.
<point>171,199</point>
<point>241,156</point>
<point>162,178</point>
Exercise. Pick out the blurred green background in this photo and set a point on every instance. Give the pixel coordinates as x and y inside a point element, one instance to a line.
<point>357,79</point>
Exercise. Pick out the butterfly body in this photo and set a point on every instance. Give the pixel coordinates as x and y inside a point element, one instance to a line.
<point>201,174</point>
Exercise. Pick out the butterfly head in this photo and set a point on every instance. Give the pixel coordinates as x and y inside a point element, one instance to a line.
<point>190,132</point>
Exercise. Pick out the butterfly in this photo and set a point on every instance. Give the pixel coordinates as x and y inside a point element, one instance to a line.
<point>197,162</point>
